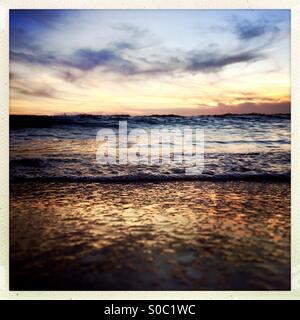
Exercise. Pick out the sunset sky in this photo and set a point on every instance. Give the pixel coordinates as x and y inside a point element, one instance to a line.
<point>185,62</point>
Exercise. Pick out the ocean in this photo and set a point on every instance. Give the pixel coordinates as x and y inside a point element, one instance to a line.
<point>63,148</point>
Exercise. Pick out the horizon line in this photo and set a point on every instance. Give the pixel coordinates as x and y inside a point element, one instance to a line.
<point>149,115</point>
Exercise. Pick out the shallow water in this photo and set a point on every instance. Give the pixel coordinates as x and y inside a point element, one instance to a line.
<point>151,236</point>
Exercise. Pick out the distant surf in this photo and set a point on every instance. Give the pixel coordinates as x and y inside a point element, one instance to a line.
<point>43,121</point>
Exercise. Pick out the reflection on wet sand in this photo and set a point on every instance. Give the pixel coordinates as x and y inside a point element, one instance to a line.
<point>150,236</point>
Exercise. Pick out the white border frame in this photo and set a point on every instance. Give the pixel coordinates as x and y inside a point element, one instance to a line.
<point>5,5</point>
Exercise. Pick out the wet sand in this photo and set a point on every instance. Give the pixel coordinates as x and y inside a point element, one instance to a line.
<point>150,236</point>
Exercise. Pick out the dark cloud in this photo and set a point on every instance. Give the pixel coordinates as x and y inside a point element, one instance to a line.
<point>82,59</point>
<point>87,59</point>
<point>248,30</point>
<point>212,62</point>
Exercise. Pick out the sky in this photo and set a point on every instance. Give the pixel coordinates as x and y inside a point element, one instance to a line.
<point>185,62</point>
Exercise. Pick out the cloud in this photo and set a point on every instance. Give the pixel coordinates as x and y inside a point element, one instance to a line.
<point>38,92</point>
<point>68,76</point>
<point>124,45</point>
<point>248,107</point>
<point>212,62</point>
<point>35,90</point>
<point>252,98</point>
<point>82,59</point>
<point>87,59</point>
<point>34,58</point>
<point>274,107</point>
<point>134,31</point>
<point>121,58</point>
<point>248,30</point>
<point>112,60</point>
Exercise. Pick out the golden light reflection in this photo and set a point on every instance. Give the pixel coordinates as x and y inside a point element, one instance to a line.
<point>169,231</point>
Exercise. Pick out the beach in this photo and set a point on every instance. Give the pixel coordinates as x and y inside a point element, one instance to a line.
<point>193,235</point>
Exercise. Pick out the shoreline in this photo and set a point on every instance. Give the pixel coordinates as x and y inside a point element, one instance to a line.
<point>272,178</point>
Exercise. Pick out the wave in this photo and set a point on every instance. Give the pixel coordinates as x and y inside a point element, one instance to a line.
<point>89,120</point>
<point>259,177</point>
